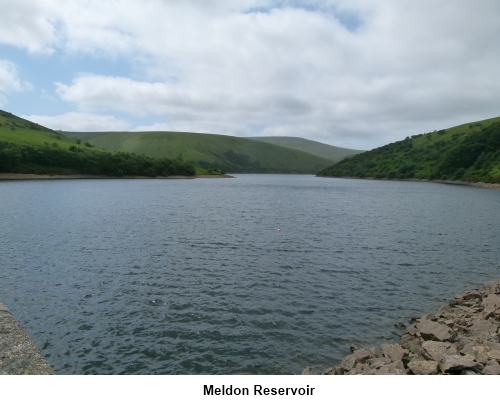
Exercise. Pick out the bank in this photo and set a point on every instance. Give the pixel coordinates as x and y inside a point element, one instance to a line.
<point>460,338</point>
<point>18,354</point>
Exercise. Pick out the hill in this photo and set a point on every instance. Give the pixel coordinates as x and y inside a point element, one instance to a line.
<point>468,152</point>
<point>333,153</point>
<point>209,151</point>
<point>26,147</point>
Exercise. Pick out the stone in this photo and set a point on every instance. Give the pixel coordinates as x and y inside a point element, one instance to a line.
<point>468,372</point>
<point>394,352</point>
<point>434,331</point>
<point>377,363</point>
<point>333,371</point>
<point>396,368</point>
<point>443,311</point>
<point>376,352</point>
<point>492,370</point>
<point>452,363</point>
<point>425,367</point>
<point>411,330</point>
<point>494,354</point>
<point>308,371</point>
<point>436,351</point>
<point>348,363</point>
<point>483,326</point>
<point>492,300</point>
<point>362,355</point>
<point>492,287</point>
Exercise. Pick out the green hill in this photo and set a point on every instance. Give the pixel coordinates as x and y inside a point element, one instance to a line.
<point>468,152</point>
<point>333,153</point>
<point>26,147</point>
<point>228,153</point>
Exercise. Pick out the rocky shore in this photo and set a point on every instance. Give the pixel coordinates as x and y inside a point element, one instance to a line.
<point>18,354</point>
<point>460,338</point>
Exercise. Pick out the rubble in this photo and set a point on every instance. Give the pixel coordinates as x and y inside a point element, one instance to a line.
<point>460,338</point>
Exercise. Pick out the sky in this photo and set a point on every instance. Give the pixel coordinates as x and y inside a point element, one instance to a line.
<point>351,73</point>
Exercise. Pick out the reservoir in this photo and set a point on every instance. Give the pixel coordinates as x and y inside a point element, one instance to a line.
<point>260,274</point>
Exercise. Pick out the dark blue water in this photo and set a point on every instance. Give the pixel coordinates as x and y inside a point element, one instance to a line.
<point>193,277</point>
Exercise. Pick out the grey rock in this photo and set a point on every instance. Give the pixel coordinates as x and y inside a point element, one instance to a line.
<point>333,371</point>
<point>376,352</point>
<point>308,371</point>
<point>483,326</point>
<point>494,354</point>
<point>492,287</point>
<point>394,352</point>
<point>452,363</point>
<point>492,300</point>
<point>444,311</point>
<point>396,368</point>
<point>377,363</point>
<point>362,355</point>
<point>423,367</point>
<point>492,370</point>
<point>436,351</point>
<point>434,331</point>
<point>348,363</point>
<point>468,372</point>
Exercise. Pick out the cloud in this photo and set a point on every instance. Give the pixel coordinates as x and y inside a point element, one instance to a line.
<point>10,81</point>
<point>78,121</point>
<point>348,72</point>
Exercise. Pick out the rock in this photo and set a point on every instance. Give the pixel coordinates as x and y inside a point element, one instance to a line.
<point>376,352</point>
<point>353,348</point>
<point>394,352</point>
<point>308,371</point>
<point>494,354</point>
<point>362,355</point>
<point>483,326</point>
<point>396,368</point>
<point>348,363</point>
<point>492,300</point>
<point>411,330</point>
<point>468,372</point>
<point>333,371</point>
<point>451,363</point>
<point>434,331</point>
<point>377,363</point>
<point>436,351</point>
<point>492,370</point>
<point>423,367</point>
<point>444,311</point>
<point>492,287</point>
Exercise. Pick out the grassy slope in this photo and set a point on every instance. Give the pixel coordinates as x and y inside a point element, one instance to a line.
<point>231,154</point>
<point>22,132</point>
<point>333,153</point>
<point>426,156</point>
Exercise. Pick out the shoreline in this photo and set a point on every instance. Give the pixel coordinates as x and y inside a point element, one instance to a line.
<point>480,184</point>
<point>460,338</point>
<point>26,176</point>
<point>18,354</point>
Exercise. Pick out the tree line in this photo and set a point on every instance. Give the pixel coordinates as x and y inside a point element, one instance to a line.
<point>51,159</point>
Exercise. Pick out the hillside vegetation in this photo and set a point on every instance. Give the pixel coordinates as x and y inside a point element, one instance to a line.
<point>26,147</point>
<point>469,152</point>
<point>333,153</point>
<point>228,153</point>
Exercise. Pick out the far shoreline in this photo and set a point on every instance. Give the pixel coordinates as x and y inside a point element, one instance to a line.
<point>27,176</point>
<point>494,186</point>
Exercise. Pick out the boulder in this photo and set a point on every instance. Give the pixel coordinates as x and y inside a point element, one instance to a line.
<point>434,331</point>
<point>492,287</point>
<point>423,367</point>
<point>394,352</point>
<point>494,354</point>
<point>396,368</point>
<point>362,355</point>
<point>333,371</point>
<point>453,363</point>
<point>492,370</point>
<point>308,371</point>
<point>436,351</point>
<point>492,300</point>
<point>348,363</point>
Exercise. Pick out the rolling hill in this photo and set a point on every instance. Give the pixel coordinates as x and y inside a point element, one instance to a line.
<point>228,153</point>
<point>26,147</point>
<point>333,153</point>
<point>468,152</point>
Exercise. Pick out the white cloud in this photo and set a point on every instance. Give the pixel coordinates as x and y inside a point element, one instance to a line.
<point>78,121</point>
<point>10,81</point>
<point>355,73</point>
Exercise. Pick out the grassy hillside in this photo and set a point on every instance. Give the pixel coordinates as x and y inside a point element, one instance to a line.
<point>468,152</point>
<point>228,153</point>
<point>26,147</point>
<point>333,153</point>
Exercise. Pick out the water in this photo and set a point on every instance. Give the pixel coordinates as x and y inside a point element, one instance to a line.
<point>193,277</point>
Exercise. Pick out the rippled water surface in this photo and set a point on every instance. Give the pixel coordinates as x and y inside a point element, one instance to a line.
<point>193,277</point>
